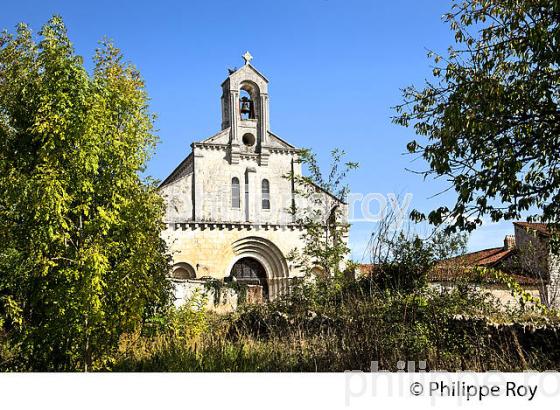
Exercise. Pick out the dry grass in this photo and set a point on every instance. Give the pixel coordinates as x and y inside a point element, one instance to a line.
<point>348,329</point>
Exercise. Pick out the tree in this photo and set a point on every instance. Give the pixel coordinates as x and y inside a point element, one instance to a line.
<point>81,258</point>
<point>321,212</point>
<point>401,259</point>
<point>491,116</point>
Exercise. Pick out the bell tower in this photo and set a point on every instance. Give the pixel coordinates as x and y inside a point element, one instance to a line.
<point>245,112</point>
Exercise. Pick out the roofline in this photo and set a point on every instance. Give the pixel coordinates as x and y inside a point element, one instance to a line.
<point>251,66</point>
<point>223,131</point>
<point>165,181</point>
<point>521,225</point>
<point>496,248</point>
<point>327,192</point>
<point>258,72</point>
<point>282,140</point>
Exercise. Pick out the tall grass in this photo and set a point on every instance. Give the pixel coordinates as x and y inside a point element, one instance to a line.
<point>337,327</point>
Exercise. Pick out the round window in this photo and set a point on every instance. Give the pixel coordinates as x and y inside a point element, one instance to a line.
<point>248,140</point>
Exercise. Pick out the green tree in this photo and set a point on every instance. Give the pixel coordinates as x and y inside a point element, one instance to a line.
<point>81,258</point>
<point>320,209</point>
<point>401,259</point>
<point>491,115</point>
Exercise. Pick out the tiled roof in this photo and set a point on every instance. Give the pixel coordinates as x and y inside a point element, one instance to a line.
<point>365,268</point>
<point>459,267</point>
<point>541,228</point>
<point>485,257</point>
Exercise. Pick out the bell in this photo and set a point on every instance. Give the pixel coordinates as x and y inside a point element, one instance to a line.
<point>245,106</point>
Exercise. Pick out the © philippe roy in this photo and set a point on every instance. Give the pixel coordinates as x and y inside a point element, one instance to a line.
<point>469,391</point>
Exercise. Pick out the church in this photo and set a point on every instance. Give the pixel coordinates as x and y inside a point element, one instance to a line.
<point>229,203</point>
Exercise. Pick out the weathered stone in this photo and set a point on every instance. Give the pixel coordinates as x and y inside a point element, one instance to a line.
<point>210,224</point>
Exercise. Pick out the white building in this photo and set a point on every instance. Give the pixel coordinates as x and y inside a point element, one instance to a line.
<point>228,202</point>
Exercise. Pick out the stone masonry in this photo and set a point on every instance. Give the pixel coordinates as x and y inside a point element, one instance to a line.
<point>228,202</point>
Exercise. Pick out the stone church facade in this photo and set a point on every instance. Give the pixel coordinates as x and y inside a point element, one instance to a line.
<point>228,202</point>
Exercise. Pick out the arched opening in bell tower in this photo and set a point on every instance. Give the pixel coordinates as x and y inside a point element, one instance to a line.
<point>248,95</point>
<point>246,106</point>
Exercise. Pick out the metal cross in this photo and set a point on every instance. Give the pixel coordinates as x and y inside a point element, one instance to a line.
<point>247,57</point>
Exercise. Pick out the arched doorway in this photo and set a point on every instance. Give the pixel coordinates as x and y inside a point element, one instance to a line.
<point>249,271</point>
<point>271,259</point>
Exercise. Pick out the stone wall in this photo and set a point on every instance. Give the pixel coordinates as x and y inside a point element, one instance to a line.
<point>213,193</point>
<point>224,300</point>
<point>178,199</point>
<point>533,252</point>
<point>212,249</point>
<point>537,259</point>
<point>501,293</point>
<point>207,233</point>
<point>504,296</point>
<point>554,281</point>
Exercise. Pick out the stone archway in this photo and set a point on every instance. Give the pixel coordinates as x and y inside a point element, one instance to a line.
<point>269,256</point>
<point>250,271</point>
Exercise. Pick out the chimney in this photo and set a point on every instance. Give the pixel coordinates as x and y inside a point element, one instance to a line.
<point>509,242</point>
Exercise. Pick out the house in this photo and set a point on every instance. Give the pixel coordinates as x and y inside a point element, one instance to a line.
<point>526,257</point>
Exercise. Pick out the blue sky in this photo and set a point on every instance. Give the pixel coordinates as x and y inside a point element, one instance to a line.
<point>335,69</point>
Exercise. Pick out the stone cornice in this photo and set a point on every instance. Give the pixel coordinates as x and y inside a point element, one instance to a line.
<point>230,226</point>
<point>223,147</point>
<point>210,145</point>
<point>284,150</point>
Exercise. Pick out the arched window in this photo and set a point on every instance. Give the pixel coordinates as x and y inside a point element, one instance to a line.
<point>265,187</point>
<point>235,193</point>
<point>332,223</point>
<point>182,271</point>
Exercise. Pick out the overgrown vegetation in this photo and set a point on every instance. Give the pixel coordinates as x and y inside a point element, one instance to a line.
<point>319,207</point>
<point>345,325</point>
<point>401,259</point>
<point>389,314</point>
